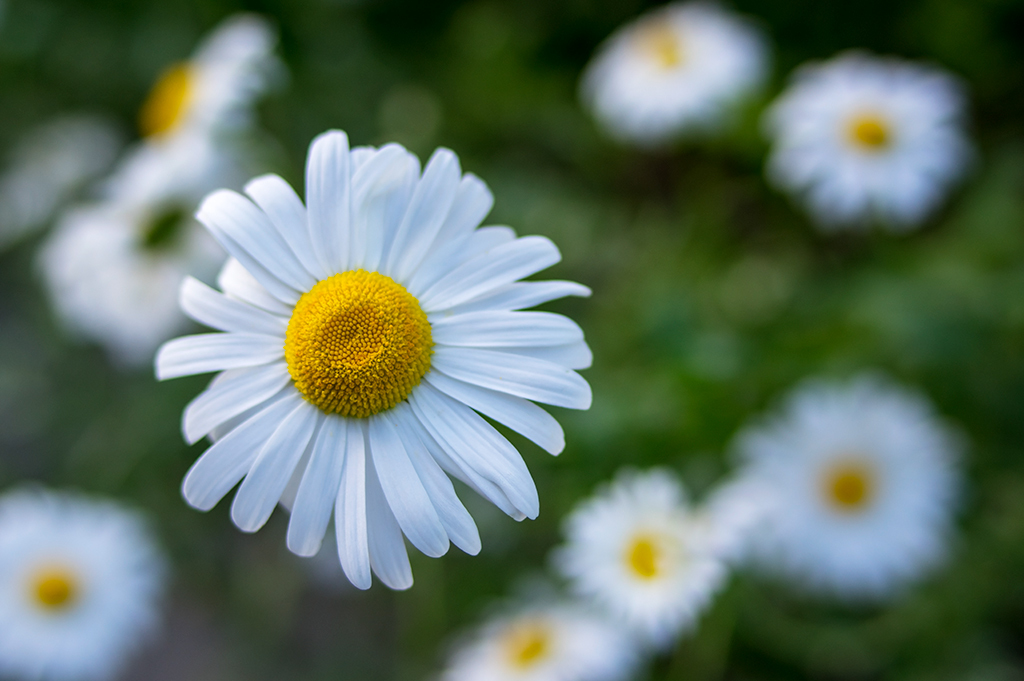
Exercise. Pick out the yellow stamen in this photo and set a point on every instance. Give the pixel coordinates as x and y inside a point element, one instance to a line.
<point>850,486</point>
<point>54,588</point>
<point>870,132</point>
<point>164,109</point>
<point>527,644</point>
<point>645,558</point>
<point>661,43</point>
<point>357,344</point>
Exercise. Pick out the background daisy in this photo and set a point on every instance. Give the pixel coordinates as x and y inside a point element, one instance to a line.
<point>863,139</point>
<point>80,581</point>
<point>864,479</point>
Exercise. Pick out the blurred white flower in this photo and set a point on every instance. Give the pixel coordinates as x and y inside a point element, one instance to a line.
<point>48,167</point>
<point>80,584</point>
<point>679,68</point>
<point>861,139</point>
<point>213,92</point>
<point>863,478</point>
<point>638,552</point>
<point>554,642</point>
<point>364,330</point>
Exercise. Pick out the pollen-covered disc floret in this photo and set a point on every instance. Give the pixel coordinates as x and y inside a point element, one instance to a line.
<point>357,344</point>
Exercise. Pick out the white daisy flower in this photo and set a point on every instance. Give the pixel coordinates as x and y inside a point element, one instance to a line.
<point>213,91</point>
<point>863,479</point>
<point>113,268</point>
<point>679,68</point>
<point>364,330</point>
<point>545,643</point>
<point>861,139</point>
<point>47,169</point>
<point>80,584</point>
<point>637,551</point>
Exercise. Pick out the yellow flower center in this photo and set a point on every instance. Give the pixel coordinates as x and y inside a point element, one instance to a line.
<point>54,588</point>
<point>645,557</point>
<point>870,132</point>
<point>357,344</point>
<point>165,107</point>
<point>849,487</point>
<point>527,644</point>
<point>661,44</point>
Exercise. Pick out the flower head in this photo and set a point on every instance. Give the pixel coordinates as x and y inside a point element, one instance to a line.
<point>678,68</point>
<point>863,481</point>
<point>80,582</point>
<point>861,139</point>
<point>362,334</point>
<point>637,551</point>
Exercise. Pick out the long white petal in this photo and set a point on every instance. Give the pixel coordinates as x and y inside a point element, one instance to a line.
<point>403,488</point>
<point>457,521</point>
<point>526,377</point>
<point>388,556</point>
<point>473,201</point>
<point>520,295</point>
<point>329,199</point>
<point>216,310</point>
<point>206,352</point>
<point>231,393</point>
<point>455,252</point>
<point>428,208</point>
<point>247,233</point>
<point>571,356</point>
<point>474,443</point>
<point>382,189</point>
<point>237,282</point>
<point>262,487</point>
<point>318,490</point>
<point>522,416</point>
<point>230,458</point>
<point>278,200</point>
<point>497,267</point>
<point>497,329</point>
<point>350,509</point>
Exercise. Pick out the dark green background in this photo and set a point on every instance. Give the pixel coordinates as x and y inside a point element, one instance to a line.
<point>712,296</point>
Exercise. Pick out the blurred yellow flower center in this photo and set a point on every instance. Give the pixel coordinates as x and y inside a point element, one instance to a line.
<point>661,43</point>
<point>527,644</point>
<point>164,109</point>
<point>645,557</point>
<point>357,344</point>
<point>870,132</point>
<point>849,487</point>
<point>54,588</point>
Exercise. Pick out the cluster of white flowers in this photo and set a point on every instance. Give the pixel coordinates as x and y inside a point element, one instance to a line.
<point>80,585</point>
<point>112,266</point>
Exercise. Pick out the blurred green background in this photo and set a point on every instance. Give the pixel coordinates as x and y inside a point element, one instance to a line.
<point>712,296</point>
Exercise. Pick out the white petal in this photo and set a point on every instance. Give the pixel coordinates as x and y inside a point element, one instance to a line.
<point>350,509</point>
<point>206,352</point>
<point>236,282</point>
<point>382,189</point>
<point>428,208</point>
<point>532,379</point>
<point>571,356</point>
<point>522,416</point>
<point>388,557</point>
<point>404,490</point>
<point>474,443</point>
<point>230,458</point>
<point>318,490</point>
<point>481,275</point>
<point>523,294</point>
<point>231,393</point>
<point>328,200</point>
<point>448,256</point>
<point>457,521</point>
<point>497,329</point>
<point>262,487</point>
<point>214,309</point>
<point>278,200</point>
<point>247,234</point>
<point>473,201</point>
